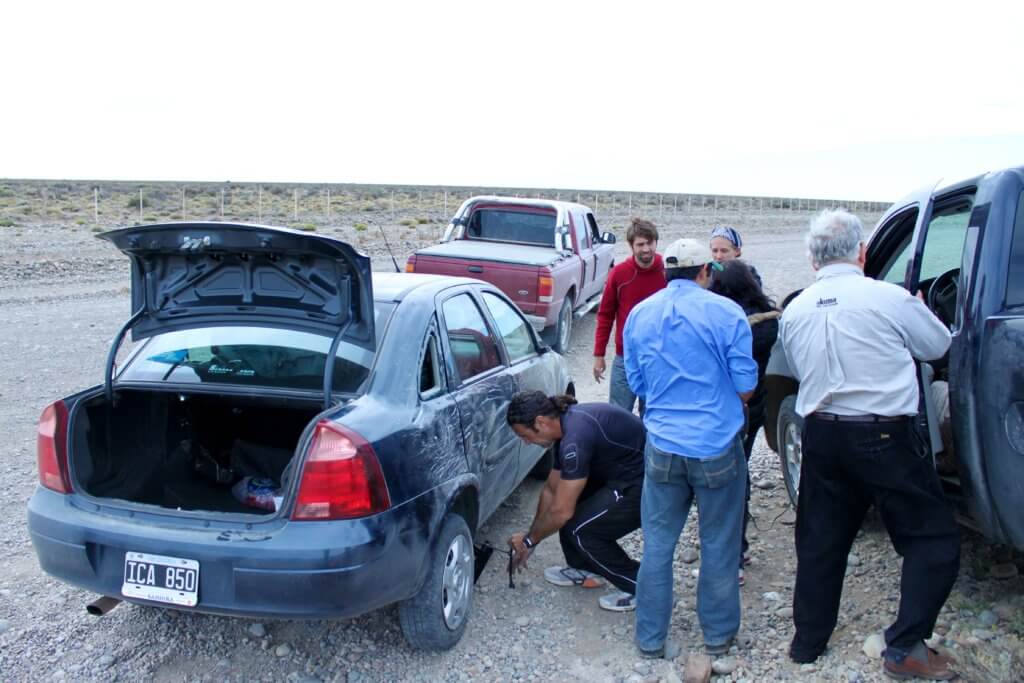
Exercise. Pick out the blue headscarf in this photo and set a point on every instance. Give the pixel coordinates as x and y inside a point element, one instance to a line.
<point>728,233</point>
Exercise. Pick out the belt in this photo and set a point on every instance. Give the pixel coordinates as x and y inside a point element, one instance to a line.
<point>832,417</point>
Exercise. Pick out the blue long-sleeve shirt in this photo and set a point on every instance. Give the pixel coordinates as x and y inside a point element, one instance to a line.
<point>688,354</point>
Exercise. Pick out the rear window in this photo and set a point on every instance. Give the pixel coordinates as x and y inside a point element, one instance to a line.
<point>253,357</point>
<point>513,226</point>
<point>1015,277</point>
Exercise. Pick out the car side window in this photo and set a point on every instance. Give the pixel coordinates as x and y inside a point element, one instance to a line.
<point>512,328</point>
<point>1015,277</point>
<point>473,348</point>
<point>944,239</point>
<point>595,234</point>
<point>580,226</point>
<point>895,268</point>
<point>430,369</point>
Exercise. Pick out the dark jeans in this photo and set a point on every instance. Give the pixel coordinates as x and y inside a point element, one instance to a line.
<point>846,467</point>
<point>590,538</point>
<point>755,420</point>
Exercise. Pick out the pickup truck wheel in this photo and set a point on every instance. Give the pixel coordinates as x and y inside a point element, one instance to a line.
<point>563,328</point>
<point>790,440</point>
<point>435,618</point>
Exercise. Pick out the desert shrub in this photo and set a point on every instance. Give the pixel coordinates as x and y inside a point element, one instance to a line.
<point>360,227</point>
<point>422,221</point>
<point>133,203</point>
<point>6,223</point>
<point>307,227</point>
<point>80,221</point>
<point>408,221</point>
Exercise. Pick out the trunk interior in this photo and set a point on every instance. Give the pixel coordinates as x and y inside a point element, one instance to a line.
<point>188,451</point>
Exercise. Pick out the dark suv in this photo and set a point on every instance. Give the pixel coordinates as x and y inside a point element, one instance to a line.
<point>963,247</point>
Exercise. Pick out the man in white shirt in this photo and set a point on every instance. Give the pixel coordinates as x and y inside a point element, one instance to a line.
<point>851,342</point>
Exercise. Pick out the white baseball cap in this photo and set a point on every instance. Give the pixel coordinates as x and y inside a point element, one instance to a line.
<point>687,253</point>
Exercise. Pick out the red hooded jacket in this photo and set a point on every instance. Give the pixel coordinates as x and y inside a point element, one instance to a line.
<point>627,285</point>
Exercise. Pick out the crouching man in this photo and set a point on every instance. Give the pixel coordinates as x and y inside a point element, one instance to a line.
<point>592,496</point>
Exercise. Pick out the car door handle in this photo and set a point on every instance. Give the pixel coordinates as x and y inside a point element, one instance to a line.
<point>475,269</point>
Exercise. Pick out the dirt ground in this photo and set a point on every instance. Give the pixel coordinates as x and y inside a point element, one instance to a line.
<point>63,295</point>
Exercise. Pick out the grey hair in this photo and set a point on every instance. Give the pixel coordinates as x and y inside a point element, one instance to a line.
<point>834,235</point>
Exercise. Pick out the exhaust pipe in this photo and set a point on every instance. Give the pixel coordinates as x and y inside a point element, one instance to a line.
<point>101,606</point>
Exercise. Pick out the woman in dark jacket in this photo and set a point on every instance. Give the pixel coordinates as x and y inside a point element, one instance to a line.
<point>736,281</point>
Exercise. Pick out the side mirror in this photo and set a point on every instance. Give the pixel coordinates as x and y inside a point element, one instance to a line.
<point>608,237</point>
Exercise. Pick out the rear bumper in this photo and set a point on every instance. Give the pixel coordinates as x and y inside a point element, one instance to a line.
<point>273,569</point>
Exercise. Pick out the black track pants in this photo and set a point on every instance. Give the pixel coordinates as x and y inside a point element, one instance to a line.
<point>590,538</point>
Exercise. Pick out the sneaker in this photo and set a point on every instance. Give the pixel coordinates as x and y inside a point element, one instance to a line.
<point>569,576</point>
<point>718,650</point>
<point>742,579</point>
<point>746,558</point>
<point>617,601</point>
<point>670,650</point>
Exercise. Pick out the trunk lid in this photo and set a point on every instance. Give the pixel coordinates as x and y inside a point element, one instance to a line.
<point>198,274</point>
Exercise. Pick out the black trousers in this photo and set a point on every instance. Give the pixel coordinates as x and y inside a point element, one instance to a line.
<point>847,467</point>
<point>590,538</point>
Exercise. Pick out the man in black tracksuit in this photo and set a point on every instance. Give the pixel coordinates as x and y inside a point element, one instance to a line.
<point>592,496</point>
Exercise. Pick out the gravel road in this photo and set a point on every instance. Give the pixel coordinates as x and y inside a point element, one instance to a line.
<point>63,295</point>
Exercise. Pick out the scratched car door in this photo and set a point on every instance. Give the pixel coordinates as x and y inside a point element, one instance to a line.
<point>482,389</point>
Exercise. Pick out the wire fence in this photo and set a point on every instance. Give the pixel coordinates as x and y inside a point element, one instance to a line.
<point>313,206</point>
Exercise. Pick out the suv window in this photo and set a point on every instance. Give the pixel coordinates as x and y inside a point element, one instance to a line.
<point>1015,277</point>
<point>895,268</point>
<point>511,327</point>
<point>473,347</point>
<point>944,241</point>
<point>513,226</point>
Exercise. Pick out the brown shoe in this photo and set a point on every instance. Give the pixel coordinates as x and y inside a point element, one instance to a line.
<point>941,658</point>
<point>935,669</point>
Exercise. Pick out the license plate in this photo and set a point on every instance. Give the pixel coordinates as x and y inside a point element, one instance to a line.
<point>160,578</point>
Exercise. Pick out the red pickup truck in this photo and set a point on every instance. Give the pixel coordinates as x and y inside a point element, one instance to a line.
<point>548,256</point>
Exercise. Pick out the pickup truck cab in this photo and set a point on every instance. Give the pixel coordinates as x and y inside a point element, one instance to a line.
<point>547,256</point>
<point>962,246</point>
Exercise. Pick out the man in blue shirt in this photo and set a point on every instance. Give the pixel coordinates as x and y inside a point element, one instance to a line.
<point>688,354</point>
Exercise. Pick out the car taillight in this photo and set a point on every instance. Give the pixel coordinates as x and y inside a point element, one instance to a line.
<point>341,478</point>
<point>51,448</point>
<point>545,288</point>
<point>410,265</point>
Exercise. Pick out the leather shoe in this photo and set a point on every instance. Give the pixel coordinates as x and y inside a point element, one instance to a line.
<point>936,668</point>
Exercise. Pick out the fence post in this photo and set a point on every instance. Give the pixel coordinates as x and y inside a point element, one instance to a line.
<point>446,204</point>
<point>183,203</point>
<point>295,202</point>
<point>222,203</point>
<point>95,205</point>
<point>659,206</point>
<point>259,204</point>
<point>328,205</point>
<point>392,206</point>
<point>630,204</point>
<point>140,205</point>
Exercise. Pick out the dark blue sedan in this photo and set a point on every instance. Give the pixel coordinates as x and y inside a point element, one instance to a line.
<point>225,467</point>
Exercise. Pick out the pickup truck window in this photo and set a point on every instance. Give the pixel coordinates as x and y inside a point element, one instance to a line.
<point>513,226</point>
<point>580,226</point>
<point>595,234</point>
<point>1015,278</point>
<point>944,240</point>
<point>473,347</point>
<point>511,327</point>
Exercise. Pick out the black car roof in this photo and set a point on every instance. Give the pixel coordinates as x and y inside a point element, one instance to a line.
<point>396,286</point>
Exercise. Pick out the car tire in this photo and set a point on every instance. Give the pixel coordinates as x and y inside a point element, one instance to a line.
<point>560,334</point>
<point>542,469</point>
<point>789,436</point>
<point>436,617</point>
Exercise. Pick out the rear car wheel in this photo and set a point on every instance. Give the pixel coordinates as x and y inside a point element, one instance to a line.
<point>560,333</point>
<point>790,439</point>
<point>435,618</point>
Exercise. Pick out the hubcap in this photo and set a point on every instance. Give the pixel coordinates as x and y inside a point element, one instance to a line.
<point>794,454</point>
<point>456,582</point>
<point>565,328</point>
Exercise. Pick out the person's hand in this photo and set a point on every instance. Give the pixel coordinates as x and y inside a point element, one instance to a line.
<point>520,552</point>
<point>920,295</point>
<point>599,368</point>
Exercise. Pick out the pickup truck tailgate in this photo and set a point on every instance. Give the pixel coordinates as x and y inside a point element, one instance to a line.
<point>517,281</point>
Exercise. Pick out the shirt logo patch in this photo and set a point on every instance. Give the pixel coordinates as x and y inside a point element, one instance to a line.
<point>570,463</point>
<point>824,303</point>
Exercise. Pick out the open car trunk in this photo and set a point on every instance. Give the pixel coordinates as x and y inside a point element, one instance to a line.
<point>188,451</point>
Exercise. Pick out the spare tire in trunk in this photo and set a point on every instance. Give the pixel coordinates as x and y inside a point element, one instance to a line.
<point>186,451</point>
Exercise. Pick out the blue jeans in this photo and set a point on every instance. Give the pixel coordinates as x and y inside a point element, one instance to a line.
<point>671,482</point>
<point>619,392</point>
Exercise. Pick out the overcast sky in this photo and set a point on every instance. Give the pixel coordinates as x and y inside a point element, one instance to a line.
<point>866,102</point>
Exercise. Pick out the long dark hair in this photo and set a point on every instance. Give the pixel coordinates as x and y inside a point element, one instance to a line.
<point>736,281</point>
<point>527,406</point>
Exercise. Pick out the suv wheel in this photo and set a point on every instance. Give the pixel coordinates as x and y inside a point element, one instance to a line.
<point>789,434</point>
<point>563,328</point>
<point>435,618</point>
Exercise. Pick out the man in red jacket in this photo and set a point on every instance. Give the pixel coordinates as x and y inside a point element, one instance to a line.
<point>629,283</point>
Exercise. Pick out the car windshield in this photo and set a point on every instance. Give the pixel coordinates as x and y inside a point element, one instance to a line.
<point>513,226</point>
<point>253,357</point>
